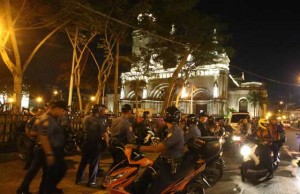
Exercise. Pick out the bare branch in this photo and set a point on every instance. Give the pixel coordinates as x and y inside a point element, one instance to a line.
<point>40,44</point>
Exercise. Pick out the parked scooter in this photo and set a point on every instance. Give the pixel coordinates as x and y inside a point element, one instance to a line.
<point>73,140</point>
<point>257,158</point>
<point>122,180</point>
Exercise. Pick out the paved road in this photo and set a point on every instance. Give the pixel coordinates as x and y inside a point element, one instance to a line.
<point>282,183</point>
<point>11,174</point>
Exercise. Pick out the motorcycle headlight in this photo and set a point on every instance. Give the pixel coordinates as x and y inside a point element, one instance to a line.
<point>245,150</point>
<point>236,138</point>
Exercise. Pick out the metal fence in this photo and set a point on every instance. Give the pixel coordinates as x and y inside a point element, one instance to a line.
<point>12,126</point>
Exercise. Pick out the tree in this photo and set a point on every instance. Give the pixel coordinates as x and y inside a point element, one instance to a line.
<point>178,38</point>
<point>256,98</point>
<point>137,86</point>
<point>14,19</point>
<point>115,14</point>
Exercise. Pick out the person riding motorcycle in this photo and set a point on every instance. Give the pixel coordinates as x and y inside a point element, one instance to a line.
<point>276,130</point>
<point>192,129</point>
<point>171,151</point>
<point>264,147</point>
<point>245,127</point>
<point>121,133</point>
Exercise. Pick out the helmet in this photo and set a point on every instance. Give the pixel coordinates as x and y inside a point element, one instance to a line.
<point>262,123</point>
<point>172,115</point>
<point>192,119</point>
<point>126,108</point>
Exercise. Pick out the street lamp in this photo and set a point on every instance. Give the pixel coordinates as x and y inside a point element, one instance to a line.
<point>11,101</point>
<point>55,92</point>
<point>39,100</point>
<point>93,98</point>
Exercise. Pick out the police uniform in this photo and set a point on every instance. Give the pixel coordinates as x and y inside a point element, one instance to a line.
<point>192,133</point>
<point>203,128</point>
<point>121,134</point>
<point>36,160</point>
<point>94,128</point>
<point>169,161</point>
<point>49,126</point>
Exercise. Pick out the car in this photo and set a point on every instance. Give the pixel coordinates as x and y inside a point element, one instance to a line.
<point>235,118</point>
<point>286,124</point>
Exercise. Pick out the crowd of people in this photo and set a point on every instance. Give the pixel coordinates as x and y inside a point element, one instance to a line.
<point>45,143</point>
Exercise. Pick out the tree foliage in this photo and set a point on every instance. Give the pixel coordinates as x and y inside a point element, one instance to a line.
<point>181,31</point>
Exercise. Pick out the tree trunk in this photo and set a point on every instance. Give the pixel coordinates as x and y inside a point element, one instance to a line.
<point>172,82</point>
<point>116,80</point>
<point>18,82</point>
<point>79,98</point>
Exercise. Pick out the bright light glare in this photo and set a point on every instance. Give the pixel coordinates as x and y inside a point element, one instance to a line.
<point>39,99</point>
<point>236,138</point>
<point>92,98</point>
<point>184,93</point>
<point>11,100</point>
<point>245,150</point>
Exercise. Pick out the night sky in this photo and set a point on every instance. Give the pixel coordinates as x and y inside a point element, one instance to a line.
<point>264,34</point>
<point>266,38</point>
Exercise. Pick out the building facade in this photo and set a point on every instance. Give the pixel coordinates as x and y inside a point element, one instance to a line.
<point>206,90</point>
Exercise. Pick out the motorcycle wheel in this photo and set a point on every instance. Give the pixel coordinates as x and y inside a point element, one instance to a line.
<point>194,188</point>
<point>213,173</point>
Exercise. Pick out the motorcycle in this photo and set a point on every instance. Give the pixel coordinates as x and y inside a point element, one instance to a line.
<point>122,180</point>
<point>211,151</point>
<point>253,151</point>
<point>73,140</point>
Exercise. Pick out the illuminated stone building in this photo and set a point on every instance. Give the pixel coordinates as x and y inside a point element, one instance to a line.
<point>207,88</point>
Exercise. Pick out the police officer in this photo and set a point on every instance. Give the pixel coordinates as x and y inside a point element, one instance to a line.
<point>192,129</point>
<point>202,125</point>
<point>30,138</point>
<point>34,161</point>
<point>94,129</point>
<point>171,151</point>
<point>105,138</point>
<point>51,139</point>
<point>121,134</point>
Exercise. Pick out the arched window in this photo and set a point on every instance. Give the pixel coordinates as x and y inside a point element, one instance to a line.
<point>243,105</point>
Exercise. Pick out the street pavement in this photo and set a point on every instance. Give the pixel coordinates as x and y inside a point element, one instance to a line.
<point>11,174</point>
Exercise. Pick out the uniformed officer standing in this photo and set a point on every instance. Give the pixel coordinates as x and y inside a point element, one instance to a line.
<point>51,139</point>
<point>34,161</point>
<point>94,129</point>
<point>171,151</point>
<point>121,134</point>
